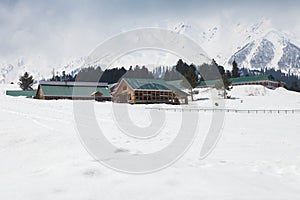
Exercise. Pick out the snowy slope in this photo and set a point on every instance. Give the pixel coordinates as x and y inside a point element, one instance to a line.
<point>256,158</point>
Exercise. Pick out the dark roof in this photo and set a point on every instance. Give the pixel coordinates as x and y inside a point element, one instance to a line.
<point>74,83</point>
<point>245,79</point>
<point>73,91</point>
<point>152,84</point>
<point>208,83</point>
<point>147,84</point>
<point>177,83</point>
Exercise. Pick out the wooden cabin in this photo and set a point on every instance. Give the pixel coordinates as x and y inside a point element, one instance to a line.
<point>73,90</point>
<point>147,91</point>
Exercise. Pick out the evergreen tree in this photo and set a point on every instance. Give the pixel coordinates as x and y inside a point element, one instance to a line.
<point>211,71</point>
<point>228,74</point>
<point>192,77</point>
<point>171,75</point>
<point>190,74</point>
<point>181,67</point>
<point>26,82</point>
<point>224,85</point>
<point>295,86</point>
<point>235,70</point>
<point>64,76</point>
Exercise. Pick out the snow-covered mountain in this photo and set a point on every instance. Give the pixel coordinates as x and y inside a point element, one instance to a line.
<point>254,46</point>
<point>10,72</point>
<point>272,50</point>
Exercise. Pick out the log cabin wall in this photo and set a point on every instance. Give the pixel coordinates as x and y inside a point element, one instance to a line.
<point>147,91</point>
<point>123,94</point>
<point>40,94</point>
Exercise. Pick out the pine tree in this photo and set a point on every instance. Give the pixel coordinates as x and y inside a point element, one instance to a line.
<point>26,82</point>
<point>295,86</point>
<point>228,74</point>
<point>192,78</point>
<point>224,85</point>
<point>235,70</point>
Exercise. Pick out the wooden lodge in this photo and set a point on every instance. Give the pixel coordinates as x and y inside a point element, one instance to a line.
<point>147,91</point>
<point>73,90</point>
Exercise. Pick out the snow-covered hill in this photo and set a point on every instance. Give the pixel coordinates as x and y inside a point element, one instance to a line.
<point>257,157</point>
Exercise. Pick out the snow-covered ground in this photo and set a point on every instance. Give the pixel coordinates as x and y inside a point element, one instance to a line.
<point>257,157</point>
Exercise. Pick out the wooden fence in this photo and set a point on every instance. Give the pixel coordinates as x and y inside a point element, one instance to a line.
<point>255,111</point>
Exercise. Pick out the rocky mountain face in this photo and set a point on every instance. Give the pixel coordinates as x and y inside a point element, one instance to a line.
<point>272,50</point>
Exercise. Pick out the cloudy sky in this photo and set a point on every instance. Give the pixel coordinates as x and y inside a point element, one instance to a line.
<point>54,32</point>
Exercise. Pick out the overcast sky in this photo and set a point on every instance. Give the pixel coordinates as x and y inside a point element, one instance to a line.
<point>52,32</point>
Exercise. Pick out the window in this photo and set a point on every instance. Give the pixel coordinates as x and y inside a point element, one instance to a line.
<point>125,87</point>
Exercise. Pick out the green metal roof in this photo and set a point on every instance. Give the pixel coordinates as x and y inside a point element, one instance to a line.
<point>252,79</point>
<point>177,83</point>
<point>147,84</point>
<point>178,92</point>
<point>67,91</point>
<point>152,84</point>
<point>17,93</point>
<point>112,85</point>
<point>240,80</point>
<point>208,83</point>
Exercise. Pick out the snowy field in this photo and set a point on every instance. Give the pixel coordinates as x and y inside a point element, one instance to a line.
<point>257,157</point>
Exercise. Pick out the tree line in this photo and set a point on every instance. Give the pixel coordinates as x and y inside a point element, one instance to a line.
<point>192,74</point>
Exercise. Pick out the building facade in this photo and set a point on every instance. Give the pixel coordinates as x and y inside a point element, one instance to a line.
<point>147,91</point>
<point>73,90</point>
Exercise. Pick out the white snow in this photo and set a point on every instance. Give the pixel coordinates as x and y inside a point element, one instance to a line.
<point>257,156</point>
